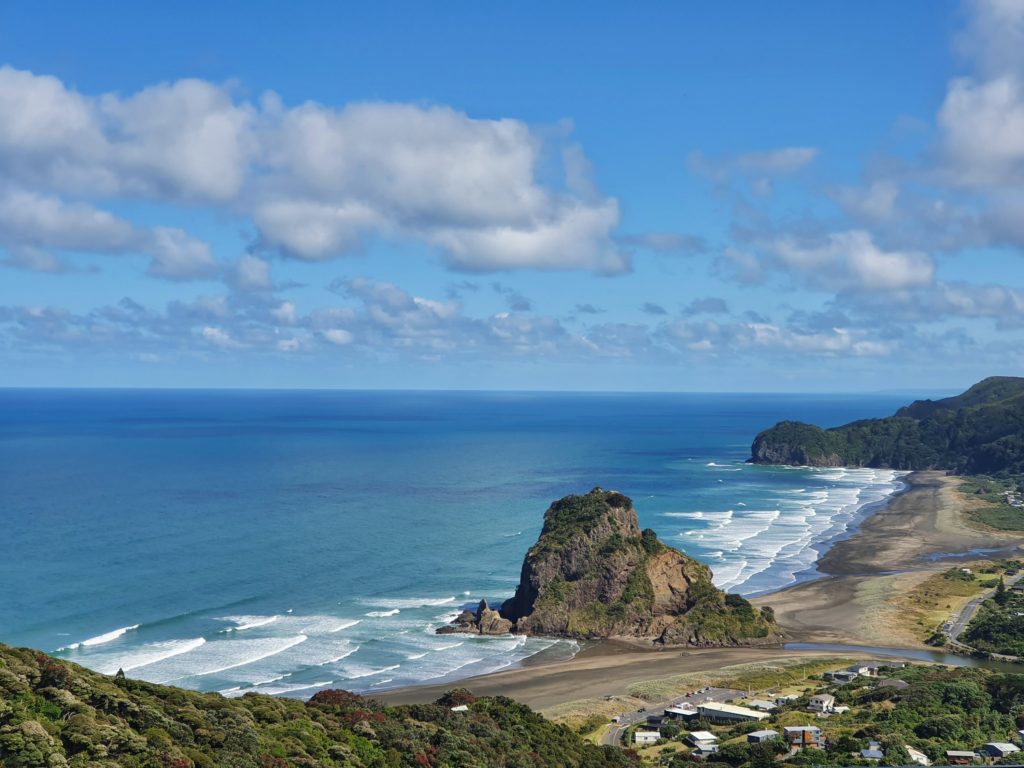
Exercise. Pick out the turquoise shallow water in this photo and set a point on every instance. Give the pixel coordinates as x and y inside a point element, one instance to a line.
<point>289,541</point>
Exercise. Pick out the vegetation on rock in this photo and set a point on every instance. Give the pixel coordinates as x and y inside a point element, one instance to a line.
<point>978,432</point>
<point>593,573</point>
<point>54,714</point>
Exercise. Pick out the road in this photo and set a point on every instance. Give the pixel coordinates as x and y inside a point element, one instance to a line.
<point>615,732</point>
<point>958,624</point>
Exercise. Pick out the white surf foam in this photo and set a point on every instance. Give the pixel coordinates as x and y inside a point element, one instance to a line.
<point>100,639</point>
<point>149,654</point>
<point>382,614</point>
<point>243,623</point>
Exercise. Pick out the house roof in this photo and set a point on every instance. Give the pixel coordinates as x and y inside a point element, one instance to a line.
<point>763,734</point>
<point>959,753</point>
<point>799,728</point>
<point>823,697</point>
<point>1003,746</point>
<point>871,754</point>
<point>703,736</point>
<point>732,709</point>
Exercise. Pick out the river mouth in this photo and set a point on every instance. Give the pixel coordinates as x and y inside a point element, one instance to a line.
<point>912,654</point>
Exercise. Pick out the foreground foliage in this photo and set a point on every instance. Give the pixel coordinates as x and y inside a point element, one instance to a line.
<point>54,714</point>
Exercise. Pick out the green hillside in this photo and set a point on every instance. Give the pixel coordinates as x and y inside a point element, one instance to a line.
<point>978,432</point>
<point>55,714</point>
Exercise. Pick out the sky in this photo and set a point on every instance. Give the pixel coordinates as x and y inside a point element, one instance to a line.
<point>742,196</point>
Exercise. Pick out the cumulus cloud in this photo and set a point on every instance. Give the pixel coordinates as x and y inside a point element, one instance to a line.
<point>176,255</point>
<point>314,180</point>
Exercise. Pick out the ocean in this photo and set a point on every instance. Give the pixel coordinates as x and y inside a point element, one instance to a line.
<point>285,542</point>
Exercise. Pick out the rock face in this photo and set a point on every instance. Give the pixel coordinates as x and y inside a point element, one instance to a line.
<point>485,621</point>
<point>593,573</point>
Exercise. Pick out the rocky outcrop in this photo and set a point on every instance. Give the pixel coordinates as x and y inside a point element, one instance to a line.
<point>593,573</point>
<point>485,621</point>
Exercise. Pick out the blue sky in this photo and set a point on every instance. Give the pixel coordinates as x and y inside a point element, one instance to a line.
<point>786,196</point>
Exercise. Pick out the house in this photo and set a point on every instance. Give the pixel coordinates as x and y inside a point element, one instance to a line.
<point>917,755</point>
<point>960,757</point>
<point>843,676</point>
<point>655,721</point>
<point>999,749</point>
<point>865,670</point>
<point>799,736</point>
<point>784,700</point>
<point>822,702</point>
<point>756,737</point>
<point>873,752</point>
<point>646,737</point>
<point>703,742</point>
<point>761,704</point>
<point>714,712</point>
<point>686,714</point>
<point>460,708</point>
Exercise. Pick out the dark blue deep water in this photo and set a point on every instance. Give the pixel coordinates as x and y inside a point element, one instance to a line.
<point>285,541</point>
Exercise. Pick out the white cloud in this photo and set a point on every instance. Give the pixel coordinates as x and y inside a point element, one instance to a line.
<point>29,219</point>
<point>851,261</point>
<point>284,313</point>
<point>313,179</point>
<point>337,336</point>
<point>218,337</point>
<point>176,255</point>
<point>251,273</point>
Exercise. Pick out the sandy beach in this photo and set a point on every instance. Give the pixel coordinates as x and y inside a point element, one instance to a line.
<point>858,599</point>
<point>855,602</point>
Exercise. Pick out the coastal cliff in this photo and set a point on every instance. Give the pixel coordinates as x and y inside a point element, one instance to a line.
<point>594,574</point>
<point>980,431</point>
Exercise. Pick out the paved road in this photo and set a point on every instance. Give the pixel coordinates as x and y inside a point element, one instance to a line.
<point>960,621</point>
<point>614,732</point>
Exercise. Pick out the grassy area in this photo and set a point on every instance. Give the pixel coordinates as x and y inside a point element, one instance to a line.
<point>990,506</point>
<point>927,605</point>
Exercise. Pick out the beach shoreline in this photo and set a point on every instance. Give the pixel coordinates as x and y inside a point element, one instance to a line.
<point>917,532</point>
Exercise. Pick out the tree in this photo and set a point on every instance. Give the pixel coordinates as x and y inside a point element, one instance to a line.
<point>1002,595</point>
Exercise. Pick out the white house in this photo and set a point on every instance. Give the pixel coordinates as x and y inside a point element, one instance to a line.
<point>822,702</point>
<point>703,741</point>
<point>646,737</point>
<point>761,704</point>
<point>917,755</point>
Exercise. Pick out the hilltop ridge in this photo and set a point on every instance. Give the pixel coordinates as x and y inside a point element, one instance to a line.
<point>980,431</point>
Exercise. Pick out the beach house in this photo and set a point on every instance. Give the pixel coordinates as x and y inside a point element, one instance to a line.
<point>999,749</point>
<point>873,752</point>
<point>762,705</point>
<point>800,736</point>
<point>823,703</point>
<point>646,737</point>
<point>917,755</point>
<point>714,712</point>
<point>703,742</point>
<point>756,737</point>
<point>960,757</point>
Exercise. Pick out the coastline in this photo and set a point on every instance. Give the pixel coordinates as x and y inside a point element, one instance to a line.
<point>914,534</point>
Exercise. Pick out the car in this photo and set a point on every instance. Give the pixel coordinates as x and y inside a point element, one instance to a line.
<point>617,719</point>
<point>642,709</point>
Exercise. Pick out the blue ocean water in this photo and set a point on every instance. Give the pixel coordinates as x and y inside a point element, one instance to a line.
<point>290,541</point>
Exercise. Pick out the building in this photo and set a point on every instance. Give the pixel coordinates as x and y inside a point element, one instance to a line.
<point>646,737</point>
<point>843,676</point>
<point>999,749</point>
<point>686,714</point>
<point>873,752</point>
<point>756,737</point>
<point>655,721</point>
<point>917,755</point>
<point>864,670</point>
<point>714,712</point>
<point>840,709</point>
<point>761,704</point>
<point>960,757</point>
<point>702,741</point>
<point>784,700</point>
<point>823,702</point>
<point>800,736</point>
